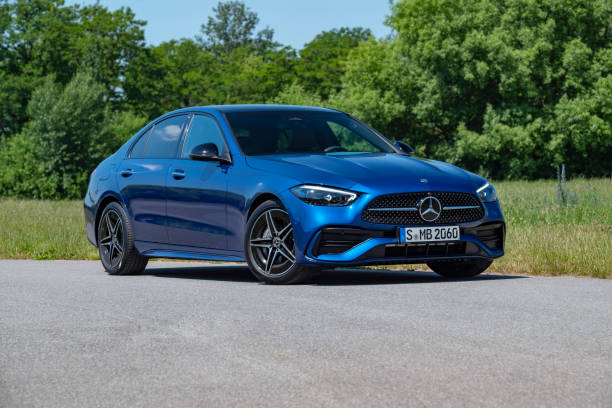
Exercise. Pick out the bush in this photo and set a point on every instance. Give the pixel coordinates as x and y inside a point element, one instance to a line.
<point>71,130</point>
<point>21,173</point>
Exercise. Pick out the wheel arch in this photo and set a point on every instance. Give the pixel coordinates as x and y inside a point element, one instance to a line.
<point>109,198</point>
<point>259,200</point>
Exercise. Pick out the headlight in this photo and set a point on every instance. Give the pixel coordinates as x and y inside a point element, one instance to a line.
<point>319,195</point>
<point>487,193</point>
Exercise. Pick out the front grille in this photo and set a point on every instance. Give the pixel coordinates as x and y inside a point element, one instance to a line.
<point>402,209</point>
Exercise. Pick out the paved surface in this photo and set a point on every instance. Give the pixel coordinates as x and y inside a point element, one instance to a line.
<point>207,335</point>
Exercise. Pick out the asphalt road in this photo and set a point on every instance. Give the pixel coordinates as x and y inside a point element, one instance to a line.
<point>203,335</point>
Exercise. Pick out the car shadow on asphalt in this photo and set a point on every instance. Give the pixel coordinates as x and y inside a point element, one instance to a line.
<point>330,277</point>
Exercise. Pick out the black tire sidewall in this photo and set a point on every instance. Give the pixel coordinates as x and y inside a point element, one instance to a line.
<point>118,209</point>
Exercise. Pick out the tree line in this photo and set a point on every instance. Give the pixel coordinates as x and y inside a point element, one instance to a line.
<point>508,89</point>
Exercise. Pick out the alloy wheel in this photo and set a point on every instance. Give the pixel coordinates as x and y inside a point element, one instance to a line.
<point>111,239</point>
<point>271,243</point>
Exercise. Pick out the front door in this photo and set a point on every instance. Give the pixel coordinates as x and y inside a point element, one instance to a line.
<point>197,191</point>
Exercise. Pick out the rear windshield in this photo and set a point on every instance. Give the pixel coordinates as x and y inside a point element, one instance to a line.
<point>281,132</point>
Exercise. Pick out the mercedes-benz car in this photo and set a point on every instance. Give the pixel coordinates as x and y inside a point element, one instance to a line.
<point>291,190</point>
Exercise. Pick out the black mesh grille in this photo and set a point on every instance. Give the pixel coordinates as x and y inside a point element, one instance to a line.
<point>403,201</point>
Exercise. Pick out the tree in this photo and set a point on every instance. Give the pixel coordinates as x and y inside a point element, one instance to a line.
<point>169,76</point>
<point>71,130</point>
<point>505,88</point>
<point>322,61</point>
<point>233,26</point>
<point>39,38</point>
<point>295,94</point>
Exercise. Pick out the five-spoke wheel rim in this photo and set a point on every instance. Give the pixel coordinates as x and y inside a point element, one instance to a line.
<point>110,233</point>
<point>271,243</point>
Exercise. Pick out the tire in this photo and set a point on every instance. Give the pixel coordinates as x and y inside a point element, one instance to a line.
<point>459,269</point>
<point>269,247</point>
<point>116,243</point>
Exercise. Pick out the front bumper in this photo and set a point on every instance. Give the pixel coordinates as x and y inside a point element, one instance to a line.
<point>318,229</point>
<point>383,247</point>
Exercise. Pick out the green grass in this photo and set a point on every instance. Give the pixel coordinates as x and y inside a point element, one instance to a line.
<point>543,238</point>
<point>31,229</point>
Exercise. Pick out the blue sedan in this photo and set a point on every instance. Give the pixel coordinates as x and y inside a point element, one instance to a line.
<point>290,190</point>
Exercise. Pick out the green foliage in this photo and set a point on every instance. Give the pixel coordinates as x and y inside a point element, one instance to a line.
<point>21,173</point>
<point>68,128</point>
<point>71,131</point>
<point>121,127</point>
<point>169,76</point>
<point>322,61</point>
<point>510,88</point>
<point>233,26</point>
<point>295,94</point>
<point>374,86</point>
<point>39,38</point>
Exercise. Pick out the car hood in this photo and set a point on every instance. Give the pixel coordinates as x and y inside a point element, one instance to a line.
<point>374,172</point>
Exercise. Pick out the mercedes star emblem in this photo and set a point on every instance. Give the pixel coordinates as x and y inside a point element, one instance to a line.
<point>430,209</point>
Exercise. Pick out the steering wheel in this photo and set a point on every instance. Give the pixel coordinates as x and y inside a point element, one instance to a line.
<point>332,149</point>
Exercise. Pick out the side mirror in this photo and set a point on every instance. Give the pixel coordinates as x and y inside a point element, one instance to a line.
<point>207,152</point>
<point>404,147</point>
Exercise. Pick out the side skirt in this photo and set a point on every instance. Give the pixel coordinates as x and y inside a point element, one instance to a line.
<point>159,250</point>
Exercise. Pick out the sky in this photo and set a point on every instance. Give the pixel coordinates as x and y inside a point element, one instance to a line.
<point>295,22</point>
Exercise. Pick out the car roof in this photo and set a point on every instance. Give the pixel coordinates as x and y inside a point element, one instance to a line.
<point>256,108</point>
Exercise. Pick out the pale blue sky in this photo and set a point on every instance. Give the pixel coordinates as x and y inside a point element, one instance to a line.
<point>294,22</point>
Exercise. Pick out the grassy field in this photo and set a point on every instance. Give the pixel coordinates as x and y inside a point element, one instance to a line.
<point>548,238</point>
<point>544,237</point>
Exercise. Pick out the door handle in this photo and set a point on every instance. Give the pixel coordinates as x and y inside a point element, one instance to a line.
<point>126,172</point>
<point>178,174</point>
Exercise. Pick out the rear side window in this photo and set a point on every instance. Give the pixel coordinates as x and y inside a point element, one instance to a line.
<point>139,147</point>
<point>161,142</point>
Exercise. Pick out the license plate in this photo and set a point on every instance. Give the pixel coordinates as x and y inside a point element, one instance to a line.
<point>429,234</point>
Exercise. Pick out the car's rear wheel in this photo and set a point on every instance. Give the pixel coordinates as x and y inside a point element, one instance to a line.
<point>116,243</point>
<point>269,246</point>
<point>459,269</point>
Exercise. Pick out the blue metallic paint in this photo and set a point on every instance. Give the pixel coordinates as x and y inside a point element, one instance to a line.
<point>204,215</point>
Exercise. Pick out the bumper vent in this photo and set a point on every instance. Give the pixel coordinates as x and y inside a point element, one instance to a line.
<point>492,235</point>
<point>402,209</point>
<point>339,240</point>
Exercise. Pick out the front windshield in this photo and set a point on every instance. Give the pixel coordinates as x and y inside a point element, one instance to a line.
<point>279,132</point>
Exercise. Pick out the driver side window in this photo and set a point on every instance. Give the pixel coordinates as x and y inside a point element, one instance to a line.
<point>203,129</point>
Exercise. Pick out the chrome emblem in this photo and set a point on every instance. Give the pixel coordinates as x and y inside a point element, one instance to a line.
<point>430,209</point>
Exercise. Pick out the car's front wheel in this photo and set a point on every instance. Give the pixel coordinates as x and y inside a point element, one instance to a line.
<point>269,246</point>
<point>116,243</point>
<point>459,269</point>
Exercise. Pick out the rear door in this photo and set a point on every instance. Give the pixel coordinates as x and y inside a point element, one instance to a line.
<point>197,190</point>
<point>143,175</point>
